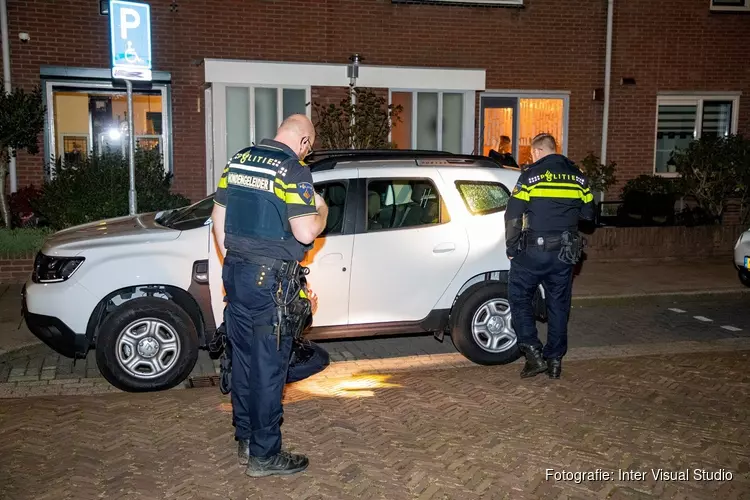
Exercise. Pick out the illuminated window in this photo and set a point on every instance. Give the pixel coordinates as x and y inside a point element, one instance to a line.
<point>508,123</point>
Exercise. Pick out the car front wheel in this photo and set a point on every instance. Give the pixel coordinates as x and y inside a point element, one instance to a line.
<point>481,328</point>
<point>147,344</point>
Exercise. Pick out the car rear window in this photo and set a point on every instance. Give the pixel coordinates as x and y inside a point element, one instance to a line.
<point>483,198</point>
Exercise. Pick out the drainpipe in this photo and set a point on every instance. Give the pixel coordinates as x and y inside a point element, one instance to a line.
<point>6,81</point>
<point>607,79</point>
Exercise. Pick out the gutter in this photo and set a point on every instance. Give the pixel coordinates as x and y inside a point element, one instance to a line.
<point>607,81</point>
<point>6,81</point>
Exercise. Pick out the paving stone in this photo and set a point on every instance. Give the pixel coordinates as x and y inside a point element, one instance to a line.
<point>415,434</point>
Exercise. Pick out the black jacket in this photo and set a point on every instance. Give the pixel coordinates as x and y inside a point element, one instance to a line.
<point>553,194</point>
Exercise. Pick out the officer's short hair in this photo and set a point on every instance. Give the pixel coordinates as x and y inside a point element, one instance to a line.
<point>544,141</point>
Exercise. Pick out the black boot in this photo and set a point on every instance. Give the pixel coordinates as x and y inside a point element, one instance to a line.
<point>554,367</point>
<point>243,451</point>
<point>281,464</point>
<point>535,363</point>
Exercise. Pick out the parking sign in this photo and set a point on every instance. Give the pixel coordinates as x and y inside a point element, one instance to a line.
<point>130,33</point>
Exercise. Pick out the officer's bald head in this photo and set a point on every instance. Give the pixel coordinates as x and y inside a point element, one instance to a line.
<point>542,145</point>
<point>297,132</point>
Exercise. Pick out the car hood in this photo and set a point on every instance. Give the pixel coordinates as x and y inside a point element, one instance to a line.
<point>137,229</point>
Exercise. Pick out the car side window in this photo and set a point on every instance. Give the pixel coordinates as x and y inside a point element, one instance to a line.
<point>483,198</point>
<point>402,203</point>
<point>334,193</point>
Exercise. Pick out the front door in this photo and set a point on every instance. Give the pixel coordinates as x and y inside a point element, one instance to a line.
<point>330,259</point>
<point>407,252</point>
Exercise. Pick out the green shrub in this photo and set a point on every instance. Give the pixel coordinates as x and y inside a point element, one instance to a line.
<point>96,188</point>
<point>650,199</point>
<point>20,242</point>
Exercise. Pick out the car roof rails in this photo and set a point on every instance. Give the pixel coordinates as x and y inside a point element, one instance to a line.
<point>328,159</point>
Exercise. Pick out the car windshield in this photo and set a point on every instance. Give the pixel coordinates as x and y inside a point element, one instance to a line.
<point>188,217</point>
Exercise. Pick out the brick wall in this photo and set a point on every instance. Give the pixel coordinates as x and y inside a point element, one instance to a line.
<point>16,269</point>
<point>655,243</point>
<point>666,45</point>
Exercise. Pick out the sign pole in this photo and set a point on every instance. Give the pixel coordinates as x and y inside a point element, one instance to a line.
<point>131,149</point>
<point>130,34</point>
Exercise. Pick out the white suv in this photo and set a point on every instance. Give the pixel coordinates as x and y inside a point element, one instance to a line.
<point>414,243</point>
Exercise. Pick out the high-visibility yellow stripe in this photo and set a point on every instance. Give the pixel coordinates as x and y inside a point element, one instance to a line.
<point>223,182</point>
<point>279,192</point>
<point>284,185</point>
<point>522,195</point>
<point>557,193</point>
<point>587,198</point>
<point>295,199</point>
<point>559,184</point>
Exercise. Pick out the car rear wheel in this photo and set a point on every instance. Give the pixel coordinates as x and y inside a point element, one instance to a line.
<point>147,344</point>
<point>744,277</point>
<point>481,328</point>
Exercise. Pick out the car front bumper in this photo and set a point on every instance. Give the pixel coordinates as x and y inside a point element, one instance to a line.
<point>54,332</point>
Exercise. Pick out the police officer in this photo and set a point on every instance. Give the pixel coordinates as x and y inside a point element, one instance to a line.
<point>266,215</point>
<point>552,195</point>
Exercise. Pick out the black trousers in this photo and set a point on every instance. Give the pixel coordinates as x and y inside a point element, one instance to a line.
<point>527,270</point>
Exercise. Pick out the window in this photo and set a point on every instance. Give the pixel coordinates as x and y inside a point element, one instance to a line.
<point>730,5</point>
<point>189,217</point>
<point>483,198</point>
<point>334,194</point>
<point>254,113</point>
<point>400,203</point>
<point>430,120</point>
<point>509,122</point>
<point>683,119</point>
<point>95,120</point>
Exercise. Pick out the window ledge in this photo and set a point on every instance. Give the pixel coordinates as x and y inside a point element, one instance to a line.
<point>505,4</point>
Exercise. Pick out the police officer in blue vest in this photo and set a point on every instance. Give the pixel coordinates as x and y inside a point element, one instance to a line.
<point>552,195</point>
<point>266,216</point>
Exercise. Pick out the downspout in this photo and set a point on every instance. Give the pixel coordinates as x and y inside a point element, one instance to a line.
<point>607,80</point>
<point>6,81</point>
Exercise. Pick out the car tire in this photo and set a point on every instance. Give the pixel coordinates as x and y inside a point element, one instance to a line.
<point>147,344</point>
<point>471,309</point>
<point>744,277</point>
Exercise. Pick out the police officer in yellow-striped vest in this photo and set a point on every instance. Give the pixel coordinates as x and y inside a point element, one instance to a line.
<point>266,216</point>
<point>552,195</point>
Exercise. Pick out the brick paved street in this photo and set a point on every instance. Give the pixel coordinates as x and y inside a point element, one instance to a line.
<point>467,433</point>
<point>39,371</point>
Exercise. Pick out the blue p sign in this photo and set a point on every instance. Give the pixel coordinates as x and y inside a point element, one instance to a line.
<point>130,31</point>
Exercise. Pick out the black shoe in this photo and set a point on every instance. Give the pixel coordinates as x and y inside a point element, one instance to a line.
<point>281,464</point>
<point>554,367</point>
<point>243,451</point>
<point>535,363</point>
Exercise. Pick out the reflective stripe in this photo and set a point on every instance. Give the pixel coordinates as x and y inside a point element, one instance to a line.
<point>223,182</point>
<point>261,170</point>
<point>279,192</point>
<point>294,198</point>
<point>587,198</point>
<point>522,195</point>
<point>557,193</point>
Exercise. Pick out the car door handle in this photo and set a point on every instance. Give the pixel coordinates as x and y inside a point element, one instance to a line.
<point>444,248</point>
<point>331,257</point>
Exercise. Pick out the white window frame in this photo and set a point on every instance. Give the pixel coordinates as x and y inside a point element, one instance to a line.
<point>52,138</point>
<point>730,8</point>
<point>218,93</point>
<point>528,94</point>
<point>697,100</point>
<point>467,120</point>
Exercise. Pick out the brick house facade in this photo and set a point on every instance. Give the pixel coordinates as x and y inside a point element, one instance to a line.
<point>680,53</point>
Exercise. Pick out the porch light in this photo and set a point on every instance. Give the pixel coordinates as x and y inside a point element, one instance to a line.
<point>114,134</point>
<point>352,69</point>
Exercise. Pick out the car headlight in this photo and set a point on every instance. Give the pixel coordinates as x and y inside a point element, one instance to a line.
<point>54,269</point>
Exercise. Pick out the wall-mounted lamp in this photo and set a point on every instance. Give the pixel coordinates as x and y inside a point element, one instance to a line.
<point>104,7</point>
<point>352,70</point>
